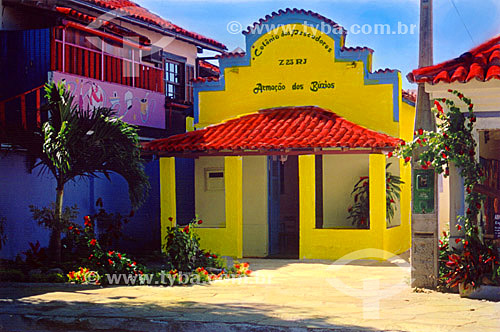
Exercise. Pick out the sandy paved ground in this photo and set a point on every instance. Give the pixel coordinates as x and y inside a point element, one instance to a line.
<point>281,294</point>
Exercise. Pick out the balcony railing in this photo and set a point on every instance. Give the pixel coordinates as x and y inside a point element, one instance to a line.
<point>96,60</point>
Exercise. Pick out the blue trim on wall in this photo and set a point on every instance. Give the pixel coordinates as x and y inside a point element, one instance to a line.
<point>346,55</point>
<point>488,114</point>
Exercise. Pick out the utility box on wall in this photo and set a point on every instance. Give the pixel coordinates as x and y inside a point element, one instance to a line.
<point>423,191</point>
<point>214,179</point>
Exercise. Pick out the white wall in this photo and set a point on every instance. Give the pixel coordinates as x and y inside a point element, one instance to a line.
<point>255,211</point>
<point>210,206</point>
<point>340,174</point>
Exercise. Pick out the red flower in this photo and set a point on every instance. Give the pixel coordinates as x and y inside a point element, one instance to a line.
<point>170,218</point>
<point>459,227</point>
<point>478,205</point>
<point>237,266</point>
<point>471,106</point>
<point>70,227</point>
<point>248,272</point>
<point>214,256</point>
<point>469,211</point>
<point>200,222</point>
<point>407,159</point>
<point>186,229</point>
<point>86,219</point>
<point>450,90</point>
<point>460,95</point>
<point>207,255</point>
<point>110,253</point>
<point>93,242</point>
<point>473,119</point>
<point>110,261</point>
<point>392,201</point>
<point>119,256</point>
<point>444,155</point>
<point>457,240</point>
<point>389,155</point>
<point>445,135</point>
<point>246,265</point>
<point>468,190</point>
<point>420,131</point>
<point>403,143</point>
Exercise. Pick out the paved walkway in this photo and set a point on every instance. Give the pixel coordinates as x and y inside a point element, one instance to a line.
<point>282,295</point>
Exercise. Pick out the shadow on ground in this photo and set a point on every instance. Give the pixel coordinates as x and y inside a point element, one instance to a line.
<point>23,315</point>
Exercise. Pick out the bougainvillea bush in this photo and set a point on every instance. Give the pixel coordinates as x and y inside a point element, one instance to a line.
<point>191,264</point>
<point>359,212</point>
<point>96,257</point>
<point>453,143</point>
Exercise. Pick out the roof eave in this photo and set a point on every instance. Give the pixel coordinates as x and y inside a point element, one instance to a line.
<point>153,27</point>
<point>285,151</point>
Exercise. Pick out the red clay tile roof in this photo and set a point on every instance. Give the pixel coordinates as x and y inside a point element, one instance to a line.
<point>481,63</point>
<point>409,95</point>
<point>134,10</point>
<point>78,16</point>
<point>208,65</point>
<point>206,79</point>
<point>276,128</point>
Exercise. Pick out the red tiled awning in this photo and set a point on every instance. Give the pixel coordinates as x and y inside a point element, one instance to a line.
<point>277,129</point>
<point>481,63</point>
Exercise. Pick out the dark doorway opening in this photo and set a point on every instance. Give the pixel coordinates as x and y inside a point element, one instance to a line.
<point>283,206</point>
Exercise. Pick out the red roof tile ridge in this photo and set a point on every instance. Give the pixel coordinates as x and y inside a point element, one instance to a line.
<point>357,48</point>
<point>206,79</point>
<point>230,55</point>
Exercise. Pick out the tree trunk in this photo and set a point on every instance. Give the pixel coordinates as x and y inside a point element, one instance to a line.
<point>55,237</point>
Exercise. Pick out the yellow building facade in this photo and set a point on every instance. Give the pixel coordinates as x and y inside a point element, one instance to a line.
<point>281,138</point>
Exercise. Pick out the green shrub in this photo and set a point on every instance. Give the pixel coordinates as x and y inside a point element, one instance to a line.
<point>182,247</point>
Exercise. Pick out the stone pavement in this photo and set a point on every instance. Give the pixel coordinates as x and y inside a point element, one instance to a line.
<point>282,295</point>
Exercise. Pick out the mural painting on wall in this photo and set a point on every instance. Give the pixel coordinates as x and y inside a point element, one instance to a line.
<point>136,106</point>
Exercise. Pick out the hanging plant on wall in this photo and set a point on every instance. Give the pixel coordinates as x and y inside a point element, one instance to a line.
<point>359,212</point>
<point>453,142</point>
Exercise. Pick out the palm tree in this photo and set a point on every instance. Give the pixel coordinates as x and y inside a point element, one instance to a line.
<point>77,143</point>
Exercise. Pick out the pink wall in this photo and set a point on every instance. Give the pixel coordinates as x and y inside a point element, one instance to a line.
<point>136,106</point>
